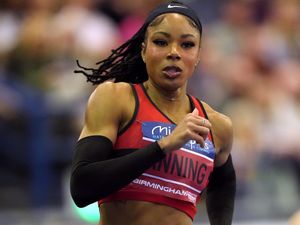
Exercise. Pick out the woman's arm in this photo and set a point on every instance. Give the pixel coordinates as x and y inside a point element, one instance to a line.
<point>221,189</point>
<point>221,194</point>
<point>95,173</point>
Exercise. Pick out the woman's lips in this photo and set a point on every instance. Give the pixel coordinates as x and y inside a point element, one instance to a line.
<point>172,71</point>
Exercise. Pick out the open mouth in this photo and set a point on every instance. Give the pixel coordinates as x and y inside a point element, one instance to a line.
<point>172,71</point>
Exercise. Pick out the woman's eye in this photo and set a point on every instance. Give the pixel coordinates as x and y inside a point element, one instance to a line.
<point>188,44</point>
<point>160,42</point>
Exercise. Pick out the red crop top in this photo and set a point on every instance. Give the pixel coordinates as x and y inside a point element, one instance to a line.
<point>179,179</point>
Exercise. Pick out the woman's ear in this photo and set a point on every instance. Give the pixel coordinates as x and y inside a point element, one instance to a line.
<point>143,51</point>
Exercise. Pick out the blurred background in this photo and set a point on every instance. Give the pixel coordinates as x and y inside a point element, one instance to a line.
<point>249,70</point>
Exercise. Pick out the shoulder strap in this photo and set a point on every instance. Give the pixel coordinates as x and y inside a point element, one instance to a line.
<point>136,109</point>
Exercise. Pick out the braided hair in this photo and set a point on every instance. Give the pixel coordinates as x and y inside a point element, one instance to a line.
<point>125,63</point>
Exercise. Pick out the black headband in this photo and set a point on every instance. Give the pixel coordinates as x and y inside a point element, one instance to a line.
<point>174,7</point>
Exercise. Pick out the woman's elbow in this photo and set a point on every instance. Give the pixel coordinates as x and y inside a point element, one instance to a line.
<point>78,193</point>
<point>79,201</point>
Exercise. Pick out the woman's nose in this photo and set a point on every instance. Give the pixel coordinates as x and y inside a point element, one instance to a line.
<point>174,54</point>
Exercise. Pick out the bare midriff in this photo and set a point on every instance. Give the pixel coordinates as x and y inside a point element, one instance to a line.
<point>141,213</point>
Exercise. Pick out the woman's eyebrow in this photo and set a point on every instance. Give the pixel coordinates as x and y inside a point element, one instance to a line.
<point>163,33</point>
<point>169,35</point>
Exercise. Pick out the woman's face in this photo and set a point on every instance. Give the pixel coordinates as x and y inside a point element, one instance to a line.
<point>171,51</point>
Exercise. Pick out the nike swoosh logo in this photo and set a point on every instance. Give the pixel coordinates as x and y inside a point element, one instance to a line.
<point>176,6</point>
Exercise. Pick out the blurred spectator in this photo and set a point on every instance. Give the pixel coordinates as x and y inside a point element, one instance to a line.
<point>284,23</point>
<point>37,69</point>
<point>129,16</point>
<point>82,31</point>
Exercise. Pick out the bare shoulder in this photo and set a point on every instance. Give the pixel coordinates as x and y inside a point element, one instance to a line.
<point>108,91</point>
<point>222,130</point>
<point>105,109</point>
<point>108,96</point>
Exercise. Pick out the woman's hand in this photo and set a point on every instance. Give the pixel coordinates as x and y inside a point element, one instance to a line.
<point>192,127</point>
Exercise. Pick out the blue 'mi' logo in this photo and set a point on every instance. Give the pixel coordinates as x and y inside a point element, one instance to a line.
<point>154,131</point>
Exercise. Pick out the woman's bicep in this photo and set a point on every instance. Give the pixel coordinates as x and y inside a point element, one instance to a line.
<point>222,132</point>
<point>226,140</point>
<point>102,115</point>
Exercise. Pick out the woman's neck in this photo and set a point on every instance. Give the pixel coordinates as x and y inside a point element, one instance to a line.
<point>165,96</point>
